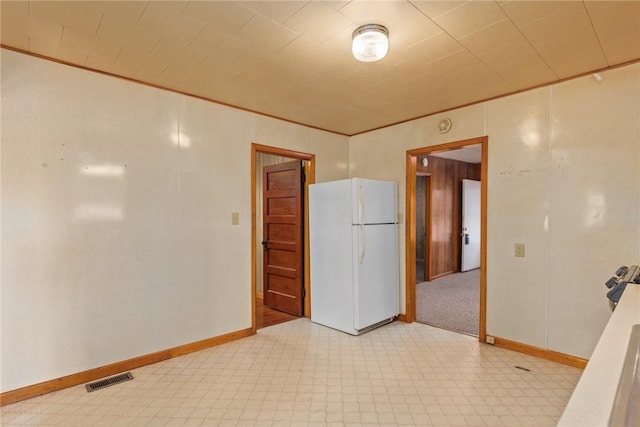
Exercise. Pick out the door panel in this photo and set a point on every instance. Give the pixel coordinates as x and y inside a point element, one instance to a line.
<point>282,232</point>
<point>283,237</point>
<point>282,206</point>
<point>470,253</point>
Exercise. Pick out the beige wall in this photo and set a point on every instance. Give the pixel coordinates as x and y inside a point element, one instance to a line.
<point>564,178</point>
<point>116,217</point>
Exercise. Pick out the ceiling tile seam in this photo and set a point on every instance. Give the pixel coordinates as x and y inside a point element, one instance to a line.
<point>434,22</point>
<point>442,14</point>
<point>274,22</point>
<point>190,43</point>
<point>529,43</point>
<point>95,34</point>
<point>494,46</point>
<point>146,6</point>
<point>289,43</point>
<point>593,28</point>
<point>155,45</point>
<point>245,24</point>
<point>294,14</point>
<point>118,56</point>
<point>547,15</point>
<point>341,7</point>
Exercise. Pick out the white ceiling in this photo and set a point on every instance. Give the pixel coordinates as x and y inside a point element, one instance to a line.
<point>468,154</point>
<point>292,60</point>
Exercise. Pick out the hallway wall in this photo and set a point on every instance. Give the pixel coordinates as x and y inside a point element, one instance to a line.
<point>446,212</point>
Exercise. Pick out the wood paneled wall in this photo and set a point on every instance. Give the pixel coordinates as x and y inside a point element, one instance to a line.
<point>444,210</point>
<point>420,216</point>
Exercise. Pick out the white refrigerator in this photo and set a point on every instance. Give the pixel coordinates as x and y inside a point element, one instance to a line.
<point>353,241</point>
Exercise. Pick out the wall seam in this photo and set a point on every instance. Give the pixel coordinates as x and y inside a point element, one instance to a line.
<point>484,118</point>
<point>178,144</point>
<point>548,237</point>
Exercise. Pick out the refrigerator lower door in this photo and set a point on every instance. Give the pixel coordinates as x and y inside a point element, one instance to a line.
<point>376,274</point>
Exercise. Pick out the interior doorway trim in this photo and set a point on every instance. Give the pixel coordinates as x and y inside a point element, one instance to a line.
<point>309,170</point>
<point>410,229</point>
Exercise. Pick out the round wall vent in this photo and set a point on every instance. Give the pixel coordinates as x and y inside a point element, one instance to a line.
<point>444,125</point>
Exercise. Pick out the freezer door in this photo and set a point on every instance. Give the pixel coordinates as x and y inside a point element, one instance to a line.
<point>374,202</point>
<point>376,274</point>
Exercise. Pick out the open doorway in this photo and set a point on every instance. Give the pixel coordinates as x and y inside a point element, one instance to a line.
<point>272,290</point>
<point>439,249</point>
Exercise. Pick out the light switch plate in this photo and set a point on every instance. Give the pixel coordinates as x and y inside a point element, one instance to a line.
<point>519,250</point>
<point>235,218</point>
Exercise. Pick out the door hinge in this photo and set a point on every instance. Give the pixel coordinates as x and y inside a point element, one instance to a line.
<point>303,171</point>
<point>304,293</point>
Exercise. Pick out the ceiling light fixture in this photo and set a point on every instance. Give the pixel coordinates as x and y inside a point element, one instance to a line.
<point>370,42</point>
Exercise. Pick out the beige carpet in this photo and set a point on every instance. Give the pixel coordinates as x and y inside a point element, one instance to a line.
<point>451,302</point>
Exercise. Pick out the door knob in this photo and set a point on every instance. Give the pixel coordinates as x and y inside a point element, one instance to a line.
<point>264,245</point>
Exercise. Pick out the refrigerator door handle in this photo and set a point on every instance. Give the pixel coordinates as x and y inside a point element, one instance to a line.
<point>361,207</point>
<point>361,244</point>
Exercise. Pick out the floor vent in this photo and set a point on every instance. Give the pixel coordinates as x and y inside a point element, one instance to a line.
<point>97,385</point>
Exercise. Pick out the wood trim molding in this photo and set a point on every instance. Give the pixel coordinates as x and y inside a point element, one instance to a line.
<point>410,238</point>
<point>402,318</point>
<point>253,178</point>
<point>542,353</point>
<point>484,208</point>
<point>283,152</point>
<point>310,173</point>
<point>118,367</point>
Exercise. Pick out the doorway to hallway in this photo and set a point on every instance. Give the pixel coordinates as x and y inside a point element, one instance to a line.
<point>439,240</point>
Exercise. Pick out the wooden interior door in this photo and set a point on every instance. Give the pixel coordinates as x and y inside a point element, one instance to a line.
<point>283,237</point>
